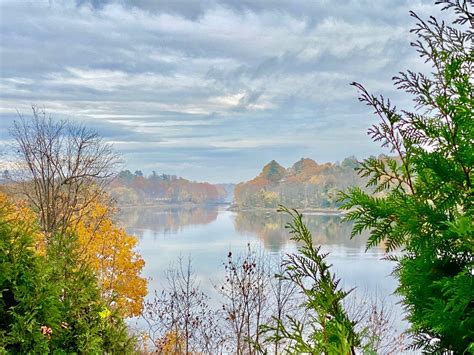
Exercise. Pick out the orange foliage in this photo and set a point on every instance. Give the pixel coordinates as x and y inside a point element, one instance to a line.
<point>171,343</point>
<point>17,211</point>
<point>18,214</point>
<point>166,188</point>
<point>305,184</point>
<point>271,175</point>
<point>109,250</point>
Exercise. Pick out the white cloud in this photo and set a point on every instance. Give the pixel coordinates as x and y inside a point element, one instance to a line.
<point>216,76</point>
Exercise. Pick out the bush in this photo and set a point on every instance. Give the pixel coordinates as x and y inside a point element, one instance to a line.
<point>47,303</point>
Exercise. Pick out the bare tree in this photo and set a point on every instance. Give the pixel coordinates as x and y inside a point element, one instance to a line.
<point>245,299</point>
<point>62,167</point>
<point>282,301</point>
<point>375,319</point>
<point>182,311</point>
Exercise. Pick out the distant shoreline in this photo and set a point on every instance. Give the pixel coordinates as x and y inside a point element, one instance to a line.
<point>169,205</point>
<point>233,208</point>
<point>172,205</point>
<point>324,211</point>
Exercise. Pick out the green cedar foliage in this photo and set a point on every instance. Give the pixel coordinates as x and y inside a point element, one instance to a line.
<point>424,200</point>
<point>327,329</point>
<point>47,304</point>
<point>88,325</point>
<point>27,300</point>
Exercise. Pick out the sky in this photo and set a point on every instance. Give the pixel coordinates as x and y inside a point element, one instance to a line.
<point>209,90</point>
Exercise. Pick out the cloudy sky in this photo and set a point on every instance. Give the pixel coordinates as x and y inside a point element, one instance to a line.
<point>209,90</point>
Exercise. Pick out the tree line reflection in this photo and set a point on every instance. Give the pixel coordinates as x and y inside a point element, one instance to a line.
<point>269,227</point>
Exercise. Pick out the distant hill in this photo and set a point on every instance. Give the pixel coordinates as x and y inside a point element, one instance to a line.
<point>136,189</point>
<point>306,184</point>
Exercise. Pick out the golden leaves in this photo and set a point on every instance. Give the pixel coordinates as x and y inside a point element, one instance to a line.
<point>110,251</point>
<point>171,343</point>
<point>106,248</point>
<point>19,216</point>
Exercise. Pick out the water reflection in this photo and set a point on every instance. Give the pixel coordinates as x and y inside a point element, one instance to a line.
<point>270,228</point>
<point>267,226</point>
<point>166,220</point>
<point>207,234</point>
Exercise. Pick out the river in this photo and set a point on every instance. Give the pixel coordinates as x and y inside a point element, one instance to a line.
<point>207,234</point>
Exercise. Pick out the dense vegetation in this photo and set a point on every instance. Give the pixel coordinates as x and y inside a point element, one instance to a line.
<point>136,189</point>
<point>47,302</point>
<point>306,184</point>
<point>69,276</point>
<point>427,203</point>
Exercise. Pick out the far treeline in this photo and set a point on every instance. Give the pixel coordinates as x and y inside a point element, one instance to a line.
<point>306,184</point>
<point>136,189</point>
<point>70,276</point>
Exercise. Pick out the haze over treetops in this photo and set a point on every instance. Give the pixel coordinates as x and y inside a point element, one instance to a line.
<point>305,184</point>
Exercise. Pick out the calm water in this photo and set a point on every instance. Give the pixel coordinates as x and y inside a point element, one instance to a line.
<point>207,234</point>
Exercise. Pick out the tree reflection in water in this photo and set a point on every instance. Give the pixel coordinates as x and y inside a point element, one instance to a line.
<point>166,220</point>
<point>270,228</point>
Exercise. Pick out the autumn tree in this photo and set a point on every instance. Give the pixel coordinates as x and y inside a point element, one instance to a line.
<point>132,189</point>
<point>425,201</point>
<point>306,184</point>
<point>67,168</point>
<point>110,251</point>
<point>47,303</point>
<point>62,168</point>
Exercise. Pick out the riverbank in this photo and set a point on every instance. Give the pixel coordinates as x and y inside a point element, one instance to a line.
<point>322,211</point>
<point>234,208</point>
<point>174,205</point>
